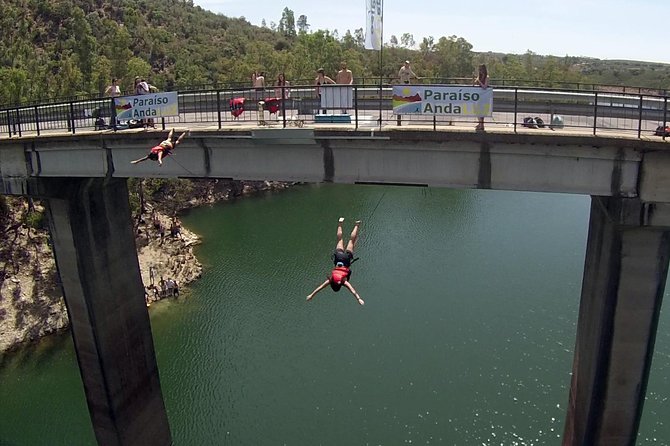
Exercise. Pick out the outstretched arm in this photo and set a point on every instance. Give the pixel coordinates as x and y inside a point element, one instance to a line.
<point>319,288</point>
<point>140,160</point>
<point>353,291</point>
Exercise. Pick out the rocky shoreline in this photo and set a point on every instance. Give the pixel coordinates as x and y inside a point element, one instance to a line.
<point>31,300</point>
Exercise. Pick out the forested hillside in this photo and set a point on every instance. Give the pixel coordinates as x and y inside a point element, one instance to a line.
<point>63,48</point>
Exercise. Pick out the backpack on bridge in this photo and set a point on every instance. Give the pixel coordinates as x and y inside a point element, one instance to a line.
<point>662,131</point>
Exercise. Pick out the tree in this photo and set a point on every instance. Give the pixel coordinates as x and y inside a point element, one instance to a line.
<point>393,40</point>
<point>287,23</point>
<point>453,57</point>
<point>137,67</point>
<point>427,45</point>
<point>303,26</point>
<point>13,83</point>
<point>407,40</point>
<point>359,35</point>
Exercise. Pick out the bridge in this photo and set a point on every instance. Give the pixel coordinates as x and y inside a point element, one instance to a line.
<point>610,155</point>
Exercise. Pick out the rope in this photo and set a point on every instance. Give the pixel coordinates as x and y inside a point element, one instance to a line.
<point>378,203</point>
<point>181,165</point>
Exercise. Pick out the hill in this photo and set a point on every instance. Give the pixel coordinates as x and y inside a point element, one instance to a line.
<point>65,48</point>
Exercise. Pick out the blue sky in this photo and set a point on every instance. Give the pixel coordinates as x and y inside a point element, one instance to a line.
<point>613,29</point>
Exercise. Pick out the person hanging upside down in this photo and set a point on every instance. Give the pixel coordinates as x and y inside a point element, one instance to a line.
<point>342,258</point>
<point>163,149</point>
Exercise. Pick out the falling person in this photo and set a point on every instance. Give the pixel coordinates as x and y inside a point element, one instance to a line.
<point>342,258</point>
<point>165,148</point>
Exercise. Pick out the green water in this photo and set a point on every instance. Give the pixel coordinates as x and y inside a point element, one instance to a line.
<point>466,337</point>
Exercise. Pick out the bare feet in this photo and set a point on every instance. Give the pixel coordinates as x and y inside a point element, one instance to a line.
<point>361,301</point>
<point>310,297</point>
<point>341,220</point>
<point>357,223</point>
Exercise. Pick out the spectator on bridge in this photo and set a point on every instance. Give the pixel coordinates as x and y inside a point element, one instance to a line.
<point>342,258</point>
<point>141,86</point>
<point>259,85</point>
<point>259,80</point>
<point>282,93</point>
<point>163,149</point>
<point>344,77</point>
<point>406,74</point>
<point>321,79</point>
<point>113,90</point>
<point>482,80</point>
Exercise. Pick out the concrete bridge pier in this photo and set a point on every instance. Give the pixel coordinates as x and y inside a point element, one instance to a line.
<point>94,246</point>
<point>624,279</point>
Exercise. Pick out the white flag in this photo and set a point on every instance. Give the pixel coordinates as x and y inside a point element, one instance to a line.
<point>373,35</point>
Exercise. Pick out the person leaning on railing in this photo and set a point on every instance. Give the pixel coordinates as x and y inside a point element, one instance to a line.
<point>321,79</point>
<point>406,74</point>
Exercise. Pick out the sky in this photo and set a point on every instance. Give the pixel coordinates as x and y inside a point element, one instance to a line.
<point>613,29</point>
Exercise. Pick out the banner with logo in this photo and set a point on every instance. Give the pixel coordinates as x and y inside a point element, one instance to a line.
<point>373,28</point>
<point>450,100</point>
<point>153,105</point>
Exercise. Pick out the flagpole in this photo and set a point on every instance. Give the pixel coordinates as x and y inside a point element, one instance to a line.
<point>381,65</point>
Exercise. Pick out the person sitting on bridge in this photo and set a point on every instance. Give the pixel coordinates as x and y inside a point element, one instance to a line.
<point>342,258</point>
<point>163,149</point>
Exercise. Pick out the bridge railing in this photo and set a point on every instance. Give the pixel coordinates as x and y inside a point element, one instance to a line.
<point>592,112</point>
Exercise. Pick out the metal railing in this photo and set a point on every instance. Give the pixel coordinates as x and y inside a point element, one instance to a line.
<point>369,80</point>
<point>586,111</point>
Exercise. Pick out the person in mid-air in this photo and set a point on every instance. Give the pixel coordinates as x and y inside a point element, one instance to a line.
<point>163,149</point>
<point>342,258</point>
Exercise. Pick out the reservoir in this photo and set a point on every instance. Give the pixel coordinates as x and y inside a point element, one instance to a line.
<point>466,336</point>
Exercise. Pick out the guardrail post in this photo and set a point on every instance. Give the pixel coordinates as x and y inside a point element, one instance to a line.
<point>37,121</point>
<point>356,107</point>
<point>639,120</point>
<point>71,117</point>
<point>283,105</point>
<point>112,118</point>
<point>18,121</point>
<point>665,115</point>
<point>218,107</point>
<point>595,113</point>
<point>9,124</point>
<point>516,106</point>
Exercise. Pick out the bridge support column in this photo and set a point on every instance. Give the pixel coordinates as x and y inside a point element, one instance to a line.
<point>624,279</point>
<point>95,252</point>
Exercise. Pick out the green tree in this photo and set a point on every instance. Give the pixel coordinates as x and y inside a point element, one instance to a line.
<point>287,23</point>
<point>303,26</point>
<point>407,40</point>
<point>13,85</point>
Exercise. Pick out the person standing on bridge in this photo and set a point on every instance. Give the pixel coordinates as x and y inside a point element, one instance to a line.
<point>344,77</point>
<point>405,74</point>
<point>163,149</point>
<point>342,258</point>
<point>482,80</point>
<point>321,79</point>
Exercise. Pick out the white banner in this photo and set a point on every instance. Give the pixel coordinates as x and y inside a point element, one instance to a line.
<point>333,96</point>
<point>451,100</point>
<point>153,105</point>
<point>374,17</point>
